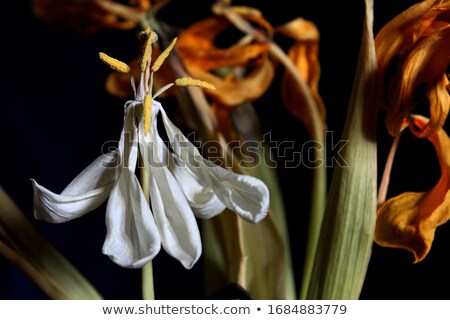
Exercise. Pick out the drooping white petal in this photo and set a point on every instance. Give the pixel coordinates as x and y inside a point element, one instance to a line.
<point>201,197</point>
<point>132,237</point>
<point>246,195</point>
<point>85,193</point>
<point>176,223</point>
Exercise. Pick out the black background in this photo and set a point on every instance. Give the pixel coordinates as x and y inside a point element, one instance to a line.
<point>55,116</point>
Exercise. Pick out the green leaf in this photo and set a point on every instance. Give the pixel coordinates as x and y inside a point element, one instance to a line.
<point>346,237</point>
<point>25,247</point>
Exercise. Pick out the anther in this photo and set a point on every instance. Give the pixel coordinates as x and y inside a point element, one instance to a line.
<point>159,61</point>
<point>146,52</point>
<point>187,81</point>
<point>114,63</point>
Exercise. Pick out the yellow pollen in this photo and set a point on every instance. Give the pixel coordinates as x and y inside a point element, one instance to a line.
<point>147,112</point>
<point>114,63</point>
<point>146,52</point>
<point>159,61</point>
<point>187,81</point>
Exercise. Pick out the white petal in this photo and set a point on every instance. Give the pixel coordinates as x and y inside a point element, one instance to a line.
<point>85,193</point>
<point>128,143</point>
<point>246,195</point>
<point>201,197</point>
<point>176,223</point>
<point>132,239</point>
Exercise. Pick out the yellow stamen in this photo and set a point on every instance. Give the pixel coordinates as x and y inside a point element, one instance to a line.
<point>146,51</point>
<point>114,63</point>
<point>147,112</point>
<point>187,81</point>
<point>159,61</point>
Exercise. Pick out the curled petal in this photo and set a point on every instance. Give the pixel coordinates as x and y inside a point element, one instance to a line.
<point>176,223</point>
<point>399,35</point>
<point>201,197</point>
<point>439,101</point>
<point>304,54</point>
<point>196,46</point>
<point>246,195</point>
<point>132,238</point>
<point>85,193</point>
<point>197,49</point>
<point>232,91</point>
<point>409,221</point>
<point>426,64</point>
<point>299,29</point>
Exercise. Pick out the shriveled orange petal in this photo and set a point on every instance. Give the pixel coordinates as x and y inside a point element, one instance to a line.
<point>196,46</point>
<point>409,221</point>
<point>231,90</point>
<point>426,64</point>
<point>304,53</point>
<point>399,35</point>
<point>439,101</point>
<point>299,29</point>
<point>119,84</point>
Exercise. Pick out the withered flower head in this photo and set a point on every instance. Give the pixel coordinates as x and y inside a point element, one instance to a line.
<point>304,54</point>
<point>409,220</point>
<point>248,72</point>
<point>413,57</point>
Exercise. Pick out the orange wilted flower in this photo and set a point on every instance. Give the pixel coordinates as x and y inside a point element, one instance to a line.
<point>252,72</point>
<point>304,54</point>
<point>241,72</point>
<point>412,51</point>
<point>409,220</point>
<point>89,16</point>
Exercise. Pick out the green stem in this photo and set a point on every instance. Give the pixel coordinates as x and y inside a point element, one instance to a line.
<point>319,180</point>
<point>318,199</point>
<point>148,292</point>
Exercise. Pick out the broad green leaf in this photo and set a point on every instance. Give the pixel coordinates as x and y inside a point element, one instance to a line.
<point>23,245</point>
<point>346,237</point>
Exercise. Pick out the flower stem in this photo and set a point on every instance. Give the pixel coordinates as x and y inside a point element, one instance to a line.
<point>382,191</point>
<point>148,292</point>
<point>319,182</point>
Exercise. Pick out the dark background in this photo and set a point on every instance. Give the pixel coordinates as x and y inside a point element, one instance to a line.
<point>55,115</point>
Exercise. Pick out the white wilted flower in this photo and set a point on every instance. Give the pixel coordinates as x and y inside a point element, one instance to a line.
<point>182,184</point>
